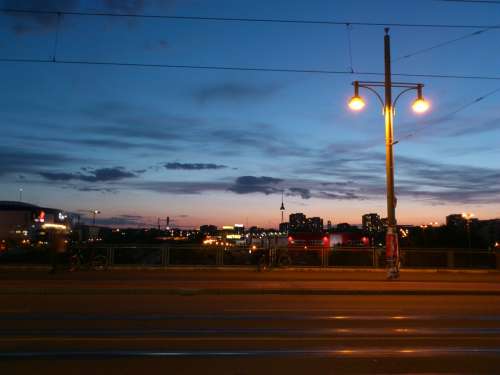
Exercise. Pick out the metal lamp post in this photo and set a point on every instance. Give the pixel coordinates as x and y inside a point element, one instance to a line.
<point>468,217</point>
<point>419,105</point>
<point>94,212</point>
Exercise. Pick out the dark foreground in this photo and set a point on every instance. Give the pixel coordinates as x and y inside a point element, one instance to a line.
<point>68,324</point>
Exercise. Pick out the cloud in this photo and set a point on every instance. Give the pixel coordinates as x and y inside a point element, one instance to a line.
<point>360,174</point>
<point>180,187</point>
<point>126,122</point>
<point>157,45</point>
<point>96,175</point>
<point>122,221</point>
<point>302,192</point>
<point>27,161</point>
<point>252,184</point>
<point>303,188</point>
<point>233,91</point>
<point>25,23</point>
<point>193,166</point>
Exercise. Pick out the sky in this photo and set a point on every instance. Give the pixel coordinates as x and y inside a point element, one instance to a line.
<point>220,146</point>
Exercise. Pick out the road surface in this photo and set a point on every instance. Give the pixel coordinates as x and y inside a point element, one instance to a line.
<point>104,323</point>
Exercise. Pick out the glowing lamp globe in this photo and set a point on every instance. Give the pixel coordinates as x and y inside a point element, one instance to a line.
<point>356,103</point>
<point>420,105</point>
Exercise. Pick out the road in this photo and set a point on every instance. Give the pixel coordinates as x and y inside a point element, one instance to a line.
<point>102,323</point>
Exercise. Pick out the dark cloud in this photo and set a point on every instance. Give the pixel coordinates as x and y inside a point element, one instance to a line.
<point>122,221</point>
<point>26,161</point>
<point>252,184</point>
<point>232,91</point>
<point>302,192</point>
<point>304,188</point>
<point>343,196</point>
<point>96,175</point>
<point>127,122</point>
<point>193,166</point>
<point>25,23</point>
<point>180,187</point>
<point>360,174</point>
<point>125,6</point>
<point>158,45</point>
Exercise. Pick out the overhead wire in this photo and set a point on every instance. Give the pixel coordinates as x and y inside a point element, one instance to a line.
<point>240,19</point>
<point>442,44</point>
<point>245,68</point>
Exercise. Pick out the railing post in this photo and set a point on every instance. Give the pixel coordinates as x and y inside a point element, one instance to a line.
<point>167,256</point>
<point>219,257</point>
<point>111,256</point>
<point>450,259</point>
<point>497,258</point>
<point>324,257</point>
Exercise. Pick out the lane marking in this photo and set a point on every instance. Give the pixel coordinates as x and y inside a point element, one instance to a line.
<point>240,338</point>
<point>339,352</point>
<point>305,317</point>
<point>193,332</point>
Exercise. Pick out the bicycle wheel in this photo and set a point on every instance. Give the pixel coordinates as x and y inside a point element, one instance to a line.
<point>99,263</point>
<point>75,263</point>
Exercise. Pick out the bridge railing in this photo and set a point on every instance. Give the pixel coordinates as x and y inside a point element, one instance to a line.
<point>160,255</point>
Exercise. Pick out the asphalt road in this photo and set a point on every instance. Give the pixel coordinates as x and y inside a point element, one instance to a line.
<point>58,329</point>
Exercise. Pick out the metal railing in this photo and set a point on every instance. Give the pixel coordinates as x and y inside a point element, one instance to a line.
<point>137,255</point>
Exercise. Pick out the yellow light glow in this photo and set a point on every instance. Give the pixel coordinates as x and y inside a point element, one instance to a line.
<point>54,226</point>
<point>420,105</point>
<point>356,103</point>
<point>467,215</point>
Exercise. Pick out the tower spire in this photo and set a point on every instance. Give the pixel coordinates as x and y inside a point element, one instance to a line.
<point>282,208</point>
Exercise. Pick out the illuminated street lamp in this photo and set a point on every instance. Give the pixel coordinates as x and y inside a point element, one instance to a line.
<point>468,217</point>
<point>420,105</point>
<point>94,212</point>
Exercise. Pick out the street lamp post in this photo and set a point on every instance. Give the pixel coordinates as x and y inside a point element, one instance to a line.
<point>419,105</point>
<point>468,216</point>
<point>94,212</point>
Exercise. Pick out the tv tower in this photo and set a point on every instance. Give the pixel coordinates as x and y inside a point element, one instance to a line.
<point>282,208</point>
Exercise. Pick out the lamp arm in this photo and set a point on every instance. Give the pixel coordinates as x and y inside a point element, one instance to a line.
<point>401,93</point>
<point>376,93</point>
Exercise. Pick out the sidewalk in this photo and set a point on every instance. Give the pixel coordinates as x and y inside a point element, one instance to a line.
<point>248,282</point>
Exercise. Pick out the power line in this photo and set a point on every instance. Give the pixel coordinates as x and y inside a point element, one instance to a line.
<point>244,68</point>
<point>442,44</point>
<point>239,19</point>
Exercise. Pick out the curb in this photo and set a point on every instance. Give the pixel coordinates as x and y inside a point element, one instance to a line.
<point>233,292</point>
<point>253,268</point>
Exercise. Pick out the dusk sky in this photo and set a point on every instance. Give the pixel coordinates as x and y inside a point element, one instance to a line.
<point>219,146</point>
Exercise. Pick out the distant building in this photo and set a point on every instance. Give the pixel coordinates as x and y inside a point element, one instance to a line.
<point>315,224</point>
<point>455,221</point>
<point>284,227</point>
<point>372,223</point>
<point>344,227</point>
<point>329,227</point>
<point>298,223</point>
<point>23,223</point>
<point>208,230</point>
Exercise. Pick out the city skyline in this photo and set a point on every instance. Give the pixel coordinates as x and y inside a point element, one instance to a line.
<point>218,147</point>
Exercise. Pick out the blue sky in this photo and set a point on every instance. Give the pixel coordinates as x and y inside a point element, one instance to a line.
<point>205,146</point>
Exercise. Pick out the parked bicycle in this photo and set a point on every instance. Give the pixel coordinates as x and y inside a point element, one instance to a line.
<point>87,259</point>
